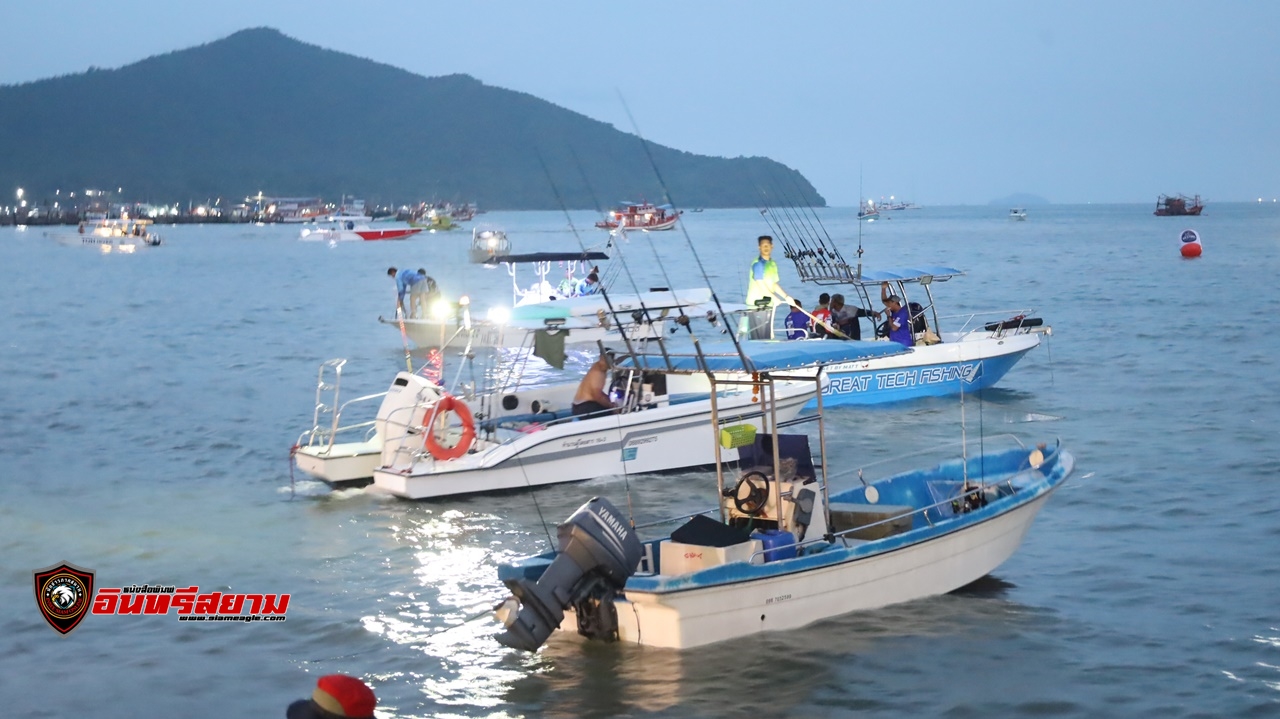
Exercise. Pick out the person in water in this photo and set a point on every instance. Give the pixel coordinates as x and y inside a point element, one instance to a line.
<point>591,397</point>
<point>762,288</point>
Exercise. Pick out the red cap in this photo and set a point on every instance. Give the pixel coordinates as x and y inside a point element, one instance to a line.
<point>336,695</point>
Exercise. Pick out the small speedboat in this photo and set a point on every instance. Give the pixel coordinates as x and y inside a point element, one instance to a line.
<point>784,546</point>
<point>1018,214</point>
<point>354,228</point>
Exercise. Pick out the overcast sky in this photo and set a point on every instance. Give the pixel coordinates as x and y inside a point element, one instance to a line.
<point>937,102</point>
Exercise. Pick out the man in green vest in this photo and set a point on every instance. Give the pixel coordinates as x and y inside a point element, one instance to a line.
<point>762,290</point>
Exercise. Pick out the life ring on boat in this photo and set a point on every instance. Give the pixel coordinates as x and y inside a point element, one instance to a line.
<point>449,403</point>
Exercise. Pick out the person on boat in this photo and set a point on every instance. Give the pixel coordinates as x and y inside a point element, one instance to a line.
<point>899,321</point>
<point>405,280</point>
<point>797,322</point>
<point>335,695</point>
<point>589,286</point>
<point>845,318</point>
<point>762,288</point>
<point>423,294</point>
<point>591,397</point>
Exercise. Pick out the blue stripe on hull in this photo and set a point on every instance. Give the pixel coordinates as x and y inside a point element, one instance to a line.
<point>906,383</point>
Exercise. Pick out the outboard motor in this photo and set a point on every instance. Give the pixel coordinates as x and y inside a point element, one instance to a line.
<point>598,552</point>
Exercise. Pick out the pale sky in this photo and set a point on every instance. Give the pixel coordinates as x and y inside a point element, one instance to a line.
<point>937,102</point>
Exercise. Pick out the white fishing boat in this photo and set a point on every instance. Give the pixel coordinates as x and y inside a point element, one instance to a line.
<point>354,228</point>
<point>122,235</point>
<point>784,547</point>
<point>337,449</point>
<point>1018,214</point>
<point>570,311</point>
<point>528,438</point>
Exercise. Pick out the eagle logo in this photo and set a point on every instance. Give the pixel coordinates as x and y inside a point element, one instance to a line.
<point>63,594</point>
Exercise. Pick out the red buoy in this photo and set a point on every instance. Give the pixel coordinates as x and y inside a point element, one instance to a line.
<point>1191,244</point>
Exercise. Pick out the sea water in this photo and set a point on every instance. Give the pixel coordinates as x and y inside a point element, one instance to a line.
<point>150,400</point>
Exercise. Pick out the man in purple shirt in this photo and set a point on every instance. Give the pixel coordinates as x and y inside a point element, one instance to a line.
<point>899,320</point>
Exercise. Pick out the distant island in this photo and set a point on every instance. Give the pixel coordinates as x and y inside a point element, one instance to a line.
<point>259,112</point>
<point>1019,199</point>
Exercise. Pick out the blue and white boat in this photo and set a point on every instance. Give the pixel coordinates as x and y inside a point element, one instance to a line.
<point>972,357</point>
<point>784,547</point>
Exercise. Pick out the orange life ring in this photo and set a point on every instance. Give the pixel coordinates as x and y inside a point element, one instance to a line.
<point>449,403</point>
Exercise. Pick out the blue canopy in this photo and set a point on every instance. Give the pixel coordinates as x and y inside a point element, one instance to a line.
<point>907,274</point>
<point>768,355</point>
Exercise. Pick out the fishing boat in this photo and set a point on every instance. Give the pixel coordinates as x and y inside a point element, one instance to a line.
<point>563,309</point>
<point>1018,214</point>
<point>1178,205</point>
<point>354,228</point>
<point>123,235</point>
<point>975,355</point>
<point>784,546</point>
<point>641,216</point>
<point>531,437</point>
<point>336,449</point>
<point>867,210</point>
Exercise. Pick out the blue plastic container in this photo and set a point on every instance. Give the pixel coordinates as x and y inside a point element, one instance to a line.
<point>776,538</point>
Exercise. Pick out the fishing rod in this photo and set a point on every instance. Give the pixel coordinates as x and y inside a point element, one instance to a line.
<point>626,267</point>
<point>604,293</point>
<point>689,241</point>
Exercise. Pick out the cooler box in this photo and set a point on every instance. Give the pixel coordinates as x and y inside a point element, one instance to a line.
<point>771,538</point>
<point>680,558</point>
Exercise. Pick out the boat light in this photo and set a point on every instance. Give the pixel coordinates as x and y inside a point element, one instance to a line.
<point>498,315</point>
<point>463,301</point>
<point>440,310</point>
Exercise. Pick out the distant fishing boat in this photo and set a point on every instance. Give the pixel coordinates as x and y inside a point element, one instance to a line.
<point>641,216</point>
<point>868,210</point>
<point>1018,214</point>
<point>1177,205</point>
<point>120,235</point>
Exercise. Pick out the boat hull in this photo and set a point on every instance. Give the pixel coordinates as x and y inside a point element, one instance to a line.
<point>654,440</point>
<point>902,572</point>
<point>341,463</point>
<point>927,371</point>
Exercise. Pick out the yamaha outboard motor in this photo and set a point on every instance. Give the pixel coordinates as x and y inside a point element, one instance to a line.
<point>598,552</point>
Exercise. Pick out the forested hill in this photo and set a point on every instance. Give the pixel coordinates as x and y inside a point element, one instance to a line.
<point>259,111</point>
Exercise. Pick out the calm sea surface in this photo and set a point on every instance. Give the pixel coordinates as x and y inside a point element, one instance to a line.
<point>149,403</point>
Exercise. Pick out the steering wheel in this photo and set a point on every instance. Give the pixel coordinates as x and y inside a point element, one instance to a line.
<point>756,496</point>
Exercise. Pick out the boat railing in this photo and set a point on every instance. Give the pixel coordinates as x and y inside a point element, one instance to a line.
<point>968,489</point>
<point>976,320</point>
<point>321,435</point>
<point>942,449</point>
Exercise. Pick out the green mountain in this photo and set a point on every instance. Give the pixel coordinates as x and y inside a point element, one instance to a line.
<point>259,111</point>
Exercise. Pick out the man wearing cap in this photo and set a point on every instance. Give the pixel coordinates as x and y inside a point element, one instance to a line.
<point>762,285</point>
<point>337,696</point>
<point>899,321</point>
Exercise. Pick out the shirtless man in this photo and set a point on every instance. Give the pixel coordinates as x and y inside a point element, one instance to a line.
<point>591,398</point>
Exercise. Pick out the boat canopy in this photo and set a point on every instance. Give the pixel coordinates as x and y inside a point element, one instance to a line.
<point>768,355</point>
<point>532,257</point>
<point>907,274</point>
